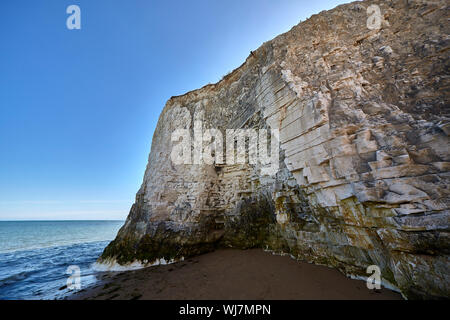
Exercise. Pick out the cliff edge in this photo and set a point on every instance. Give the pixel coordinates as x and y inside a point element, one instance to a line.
<point>356,99</point>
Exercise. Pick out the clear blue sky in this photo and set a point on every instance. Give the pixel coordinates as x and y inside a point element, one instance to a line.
<point>78,107</point>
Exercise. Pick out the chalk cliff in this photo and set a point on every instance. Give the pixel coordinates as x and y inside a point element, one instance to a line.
<point>363,173</point>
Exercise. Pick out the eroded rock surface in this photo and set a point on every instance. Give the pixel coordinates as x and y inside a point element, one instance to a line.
<point>364,160</point>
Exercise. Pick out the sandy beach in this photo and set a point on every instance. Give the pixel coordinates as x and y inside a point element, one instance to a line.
<point>232,274</point>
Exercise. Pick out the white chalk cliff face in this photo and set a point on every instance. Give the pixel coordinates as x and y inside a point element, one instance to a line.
<point>363,174</point>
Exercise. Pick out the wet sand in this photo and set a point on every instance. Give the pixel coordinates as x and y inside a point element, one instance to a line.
<point>233,274</point>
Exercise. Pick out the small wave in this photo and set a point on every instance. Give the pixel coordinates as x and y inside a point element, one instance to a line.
<point>113,266</point>
<point>14,278</point>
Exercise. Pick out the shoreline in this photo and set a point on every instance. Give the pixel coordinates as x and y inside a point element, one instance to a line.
<point>231,274</point>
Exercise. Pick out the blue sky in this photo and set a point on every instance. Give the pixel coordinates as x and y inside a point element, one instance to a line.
<point>78,107</point>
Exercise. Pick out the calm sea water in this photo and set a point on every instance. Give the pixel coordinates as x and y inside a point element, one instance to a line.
<point>35,255</point>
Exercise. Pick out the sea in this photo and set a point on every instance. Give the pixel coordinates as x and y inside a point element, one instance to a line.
<point>38,257</point>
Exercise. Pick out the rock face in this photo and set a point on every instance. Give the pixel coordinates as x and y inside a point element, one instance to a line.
<point>363,170</point>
